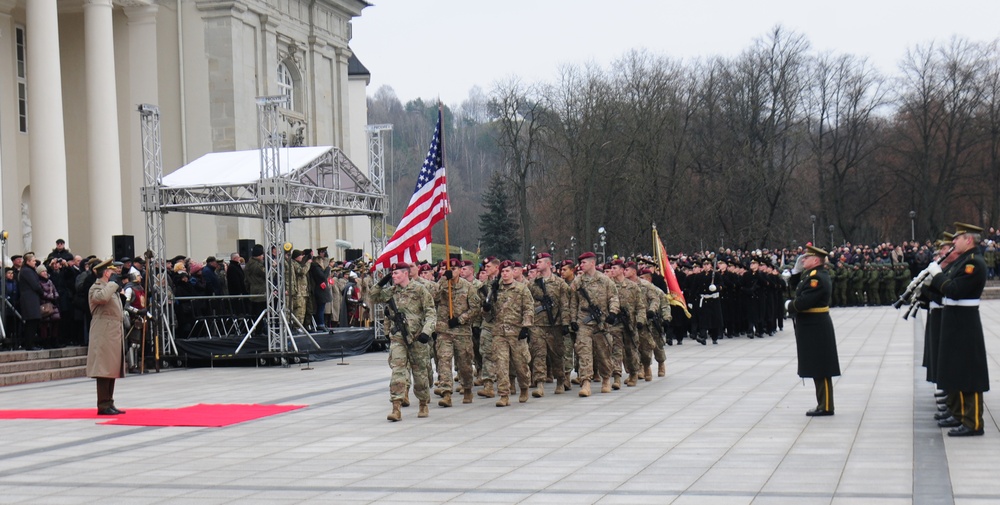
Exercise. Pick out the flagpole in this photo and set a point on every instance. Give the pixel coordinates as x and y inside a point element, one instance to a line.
<point>447,243</point>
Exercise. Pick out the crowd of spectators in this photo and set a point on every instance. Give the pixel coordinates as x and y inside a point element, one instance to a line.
<point>45,301</point>
<point>46,305</point>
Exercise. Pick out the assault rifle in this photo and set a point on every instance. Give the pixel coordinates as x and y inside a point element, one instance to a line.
<point>393,314</point>
<point>629,329</point>
<point>593,310</point>
<point>546,300</point>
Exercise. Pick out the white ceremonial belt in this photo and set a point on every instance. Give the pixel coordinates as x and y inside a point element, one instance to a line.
<point>934,305</point>
<point>713,295</point>
<point>972,302</point>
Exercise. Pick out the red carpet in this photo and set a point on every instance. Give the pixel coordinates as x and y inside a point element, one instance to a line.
<point>201,415</point>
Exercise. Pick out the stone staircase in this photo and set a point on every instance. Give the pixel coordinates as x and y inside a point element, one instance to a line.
<point>22,367</point>
<point>992,290</point>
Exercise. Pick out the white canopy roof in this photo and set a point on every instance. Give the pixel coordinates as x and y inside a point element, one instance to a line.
<point>239,167</point>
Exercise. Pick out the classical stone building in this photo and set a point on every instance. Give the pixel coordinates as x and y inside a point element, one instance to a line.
<point>73,71</point>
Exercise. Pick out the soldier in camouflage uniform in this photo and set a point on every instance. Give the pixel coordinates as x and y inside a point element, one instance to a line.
<point>514,315</point>
<point>454,332</point>
<point>298,272</point>
<point>408,351</point>
<point>871,285</point>
<point>652,305</point>
<point>841,278</point>
<point>902,279</point>
<point>431,287</point>
<point>488,293</point>
<point>625,345</point>
<point>468,272</point>
<point>887,284</point>
<point>589,320</point>
<point>856,286</point>
<point>567,272</point>
<point>551,301</point>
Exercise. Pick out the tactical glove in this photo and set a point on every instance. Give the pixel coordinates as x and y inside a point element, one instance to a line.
<point>423,338</point>
<point>566,329</point>
<point>525,331</point>
<point>385,280</point>
<point>650,315</point>
<point>453,322</point>
<point>448,274</point>
<point>487,307</point>
<point>574,327</point>
<point>612,319</point>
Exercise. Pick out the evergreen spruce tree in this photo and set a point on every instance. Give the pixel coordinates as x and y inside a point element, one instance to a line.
<point>498,228</point>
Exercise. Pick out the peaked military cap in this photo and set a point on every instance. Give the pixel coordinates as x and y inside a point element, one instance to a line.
<point>812,250</point>
<point>963,228</point>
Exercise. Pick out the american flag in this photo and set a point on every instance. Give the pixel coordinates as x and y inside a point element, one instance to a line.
<point>428,205</point>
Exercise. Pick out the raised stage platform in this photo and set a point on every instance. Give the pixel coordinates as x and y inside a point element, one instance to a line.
<point>340,342</point>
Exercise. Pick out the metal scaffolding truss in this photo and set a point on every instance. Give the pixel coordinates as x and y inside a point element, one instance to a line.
<point>159,302</point>
<point>329,185</point>
<point>377,137</point>
<point>272,183</point>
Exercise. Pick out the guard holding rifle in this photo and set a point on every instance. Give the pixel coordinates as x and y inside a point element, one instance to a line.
<point>410,311</point>
<point>815,341</point>
<point>962,370</point>
<point>593,305</point>
<point>550,293</point>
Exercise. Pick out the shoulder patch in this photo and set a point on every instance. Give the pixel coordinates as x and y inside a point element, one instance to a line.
<point>812,273</point>
<point>969,269</point>
<point>813,283</point>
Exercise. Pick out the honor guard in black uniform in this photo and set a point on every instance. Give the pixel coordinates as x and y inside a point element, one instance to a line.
<point>815,340</point>
<point>962,362</point>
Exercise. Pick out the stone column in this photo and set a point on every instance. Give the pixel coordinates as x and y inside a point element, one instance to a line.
<point>103,159</point>
<point>46,137</point>
<point>143,79</point>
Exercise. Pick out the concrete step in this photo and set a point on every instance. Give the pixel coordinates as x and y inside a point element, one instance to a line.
<point>22,367</point>
<point>65,352</point>
<point>991,293</point>
<point>33,365</point>
<point>42,375</point>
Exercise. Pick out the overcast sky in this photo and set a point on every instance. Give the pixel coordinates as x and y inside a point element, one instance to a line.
<point>442,48</point>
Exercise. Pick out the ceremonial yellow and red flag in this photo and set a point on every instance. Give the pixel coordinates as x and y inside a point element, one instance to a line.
<point>675,295</point>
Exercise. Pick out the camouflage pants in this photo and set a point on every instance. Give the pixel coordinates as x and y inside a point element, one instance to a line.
<point>486,349</point>
<point>510,353</point>
<point>299,309</point>
<point>617,349</point>
<point>405,360</point>
<point>651,345</point>
<point>568,356</point>
<point>546,342</point>
<point>593,346</point>
<point>454,351</point>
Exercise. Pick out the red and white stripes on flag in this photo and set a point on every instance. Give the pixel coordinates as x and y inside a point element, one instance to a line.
<point>427,206</point>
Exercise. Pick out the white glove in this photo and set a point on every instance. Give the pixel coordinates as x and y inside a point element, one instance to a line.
<point>787,304</point>
<point>712,288</point>
<point>787,274</point>
<point>933,269</point>
<point>797,269</point>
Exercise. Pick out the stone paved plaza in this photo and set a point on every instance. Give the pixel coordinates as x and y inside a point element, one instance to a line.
<point>726,426</point>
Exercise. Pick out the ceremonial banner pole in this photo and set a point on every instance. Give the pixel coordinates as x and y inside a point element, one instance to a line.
<point>447,243</point>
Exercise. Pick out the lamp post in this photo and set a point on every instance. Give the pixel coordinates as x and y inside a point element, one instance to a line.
<point>913,226</point>
<point>813,218</point>
<point>532,258</point>
<point>604,243</point>
<point>831,237</point>
<point>572,247</point>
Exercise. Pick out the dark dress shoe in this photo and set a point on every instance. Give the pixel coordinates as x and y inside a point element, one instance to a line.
<point>964,431</point>
<point>950,422</point>
<point>819,413</point>
<point>942,408</point>
<point>940,394</point>
<point>107,412</point>
<point>941,416</point>
<point>117,410</point>
<point>941,401</point>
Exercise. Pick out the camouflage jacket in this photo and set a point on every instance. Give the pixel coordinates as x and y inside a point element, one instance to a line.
<point>414,302</point>
<point>655,298</point>
<point>514,309</point>
<point>558,291</point>
<point>255,277</point>
<point>465,303</point>
<point>632,302</point>
<point>602,292</point>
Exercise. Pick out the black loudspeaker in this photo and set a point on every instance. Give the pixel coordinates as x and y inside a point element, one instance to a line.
<point>123,246</point>
<point>244,246</point>
<point>352,254</point>
<point>455,256</point>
